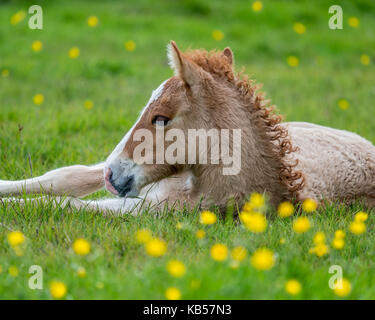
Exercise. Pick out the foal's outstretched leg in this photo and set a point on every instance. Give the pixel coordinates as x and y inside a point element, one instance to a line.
<point>74,181</point>
<point>116,206</point>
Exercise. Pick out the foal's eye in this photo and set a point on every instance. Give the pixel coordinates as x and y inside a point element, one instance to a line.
<point>160,120</point>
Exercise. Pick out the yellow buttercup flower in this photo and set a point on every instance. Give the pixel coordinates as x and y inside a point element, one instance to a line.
<point>353,22</point>
<point>338,243</point>
<point>293,287</point>
<point>200,234</point>
<point>81,272</point>
<point>319,237</point>
<point>218,35</point>
<point>38,99</point>
<point>156,247</point>
<point>257,6</point>
<point>17,17</point>
<point>309,205</point>
<point>57,289</point>
<point>37,46</point>
<point>361,216</point>
<point>176,268</point>
<point>207,217</point>
<point>173,293</point>
<point>13,271</point>
<point>320,249</point>
<point>81,247</point>
<point>343,290</point>
<point>130,45</point>
<point>343,104</point>
<point>262,259</point>
<point>143,236</point>
<point>365,59</point>
<point>88,104</point>
<point>248,207</point>
<point>357,227</point>
<point>5,73</point>
<point>292,61</point>
<point>238,253</point>
<point>285,209</point>
<point>219,252</point>
<point>299,28</point>
<point>255,222</point>
<point>74,52</point>
<point>92,21</point>
<point>339,234</point>
<point>301,225</point>
<point>257,200</point>
<point>16,238</point>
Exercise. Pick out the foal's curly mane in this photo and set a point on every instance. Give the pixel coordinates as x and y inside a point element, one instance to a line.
<point>266,118</point>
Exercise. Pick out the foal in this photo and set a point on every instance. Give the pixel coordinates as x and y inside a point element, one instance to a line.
<point>288,161</point>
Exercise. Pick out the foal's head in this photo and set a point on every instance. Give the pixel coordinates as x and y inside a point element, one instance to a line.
<point>196,97</point>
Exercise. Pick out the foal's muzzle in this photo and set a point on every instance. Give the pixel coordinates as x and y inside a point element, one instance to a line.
<point>117,183</point>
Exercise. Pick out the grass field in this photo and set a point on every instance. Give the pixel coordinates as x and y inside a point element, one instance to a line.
<point>333,84</point>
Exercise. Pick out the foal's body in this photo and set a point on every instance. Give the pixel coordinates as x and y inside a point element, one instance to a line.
<point>289,161</point>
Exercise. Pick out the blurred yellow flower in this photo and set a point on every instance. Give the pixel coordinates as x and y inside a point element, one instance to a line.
<point>200,234</point>
<point>16,238</point>
<point>179,225</point>
<point>257,6</point>
<point>285,209</point>
<point>57,289</point>
<point>344,289</point>
<point>262,259</point>
<point>173,293</point>
<point>339,234</point>
<point>218,35</point>
<point>130,45</point>
<point>238,253</point>
<point>361,216</point>
<point>219,252</point>
<point>81,247</point>
<point>92,21</point>
<point>143,236</point>
<point>319,237</point>
<point>5,73</point>
<point>293,287</point>
<point>320,249</point>
<point>13,271</point>
<point>37,46</point>
<point>257,200</point>
<point>282,241</point>
<point>338,243</point>
<point>74,52</point>
<point>353,22</point>
<point>248,207</point>
<point>299,28</point>
<point>357,227</point>
<point>17,17</point>
<point>255,222</point>
<point>343,104</point>
<point>81,272</point>
<point>88,104</point>
<point>38,98</point>
<point>292,61</point>
<point>309,205</point>
<point>365,59</point>
<point>156,247</point>
<point>176,268</point>
<point>301,225</point>
<point>207,217</point>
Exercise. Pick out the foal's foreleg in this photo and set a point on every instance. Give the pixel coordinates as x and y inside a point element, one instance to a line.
<point>74,181</point>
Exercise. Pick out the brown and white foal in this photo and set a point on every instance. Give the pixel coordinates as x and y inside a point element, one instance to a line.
<point>287,161</point>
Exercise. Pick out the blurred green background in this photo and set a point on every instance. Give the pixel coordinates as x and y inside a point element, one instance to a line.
<point>310,72</point>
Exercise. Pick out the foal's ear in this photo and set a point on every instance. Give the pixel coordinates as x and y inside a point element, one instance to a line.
<point>229,54</point>
<point>183,67</point>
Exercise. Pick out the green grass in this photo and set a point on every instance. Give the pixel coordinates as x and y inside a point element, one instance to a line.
<point>62,132</point>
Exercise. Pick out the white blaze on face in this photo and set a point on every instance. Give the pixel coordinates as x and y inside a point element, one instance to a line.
<point>120,147</point>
